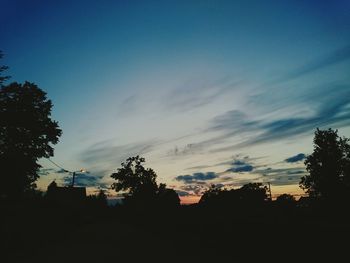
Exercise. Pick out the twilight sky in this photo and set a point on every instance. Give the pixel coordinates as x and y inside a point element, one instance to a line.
<point>209,92</point>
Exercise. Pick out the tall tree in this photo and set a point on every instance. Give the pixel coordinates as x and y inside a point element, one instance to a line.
<point>328,166</point>
<point>27,133</point>
<point>2,68</point>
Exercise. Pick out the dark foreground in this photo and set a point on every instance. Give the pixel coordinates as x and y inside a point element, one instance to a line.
<point>36,233</point>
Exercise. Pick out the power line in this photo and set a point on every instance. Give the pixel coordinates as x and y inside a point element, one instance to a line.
<point>57,165</point>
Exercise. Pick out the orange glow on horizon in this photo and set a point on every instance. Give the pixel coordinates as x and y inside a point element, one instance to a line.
<point>190,199</point>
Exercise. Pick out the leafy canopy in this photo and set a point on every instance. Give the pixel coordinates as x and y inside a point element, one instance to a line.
<point>328,166</point>
<point>140,186</point>
<point>27,133</point>
<point>134,178</point>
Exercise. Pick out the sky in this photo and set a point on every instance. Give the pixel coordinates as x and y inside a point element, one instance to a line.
<point>209,92</point>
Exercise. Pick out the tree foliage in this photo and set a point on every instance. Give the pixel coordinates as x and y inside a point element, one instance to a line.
<point>134,179</point>
<point>2,68</point>
<point>140,186</point>
<point>328,166</point>
<point>27,133</point>
<point>286,201</point>
<point>251,194</point>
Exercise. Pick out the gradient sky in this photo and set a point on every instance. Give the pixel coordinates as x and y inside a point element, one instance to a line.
<point>209,92</point>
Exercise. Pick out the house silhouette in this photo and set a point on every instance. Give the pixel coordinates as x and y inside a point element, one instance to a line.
<point>66,195</point>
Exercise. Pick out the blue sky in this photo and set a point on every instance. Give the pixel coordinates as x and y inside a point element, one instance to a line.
<point>222,92</point>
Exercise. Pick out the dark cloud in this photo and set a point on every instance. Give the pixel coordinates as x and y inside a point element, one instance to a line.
<point>296,172</point>
<point>187,179</point>
<point>46,171</point>
<point>296,158</point>
<point>238,162</point>
<point>182,193</point>
<point>86,180</point>
<point>241,168</point>
<point>194,189</point>
<point>61,171</point>
<point>240,165</point>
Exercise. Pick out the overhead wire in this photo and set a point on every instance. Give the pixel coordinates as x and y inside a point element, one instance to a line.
<point>65,170</point>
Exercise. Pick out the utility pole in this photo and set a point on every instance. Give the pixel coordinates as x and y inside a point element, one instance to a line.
<point>73,180</point>
<point>270,191</point>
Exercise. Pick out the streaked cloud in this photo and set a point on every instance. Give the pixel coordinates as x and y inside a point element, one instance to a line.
<point>337,56</point>
<point>296,158</point>
<point>105,152</point>
<point>198,92</point>
<point>196,177</point>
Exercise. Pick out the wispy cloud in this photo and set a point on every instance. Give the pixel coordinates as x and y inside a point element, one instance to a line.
<point>198,92</point>
<point>199,167</point>
<point>335,57</point>
<point>282,176</point>
<point>105,152</point>
<point>331,109</point>
<point>283,114</point>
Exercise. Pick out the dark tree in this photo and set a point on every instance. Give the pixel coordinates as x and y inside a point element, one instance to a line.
<point>135,179</point>
<point>253,193</point>
<point>285,198</point>
<point>167,197</point>
<point>27,133</point>
<point>328,166</point>
<point>102,198</point>
<point>285,201</point>
<point>140,186</point>
<point>212,194</point>
<point>2,68</point>
<point>249,195</point>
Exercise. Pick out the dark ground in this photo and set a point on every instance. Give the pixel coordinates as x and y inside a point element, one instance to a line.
<point>32,233</point>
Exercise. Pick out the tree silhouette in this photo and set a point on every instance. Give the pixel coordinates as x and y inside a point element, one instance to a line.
<point>135,179</point>
<point>212,194</point>
<point>27,133</point>
<point>167,197</point>
<point>328,166</point>
<point>286,201</point>
<point>285,198</point>
<point>249,195</point>
<point>140,186</point>
<point>3,68</point>
<point>102,198</point>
